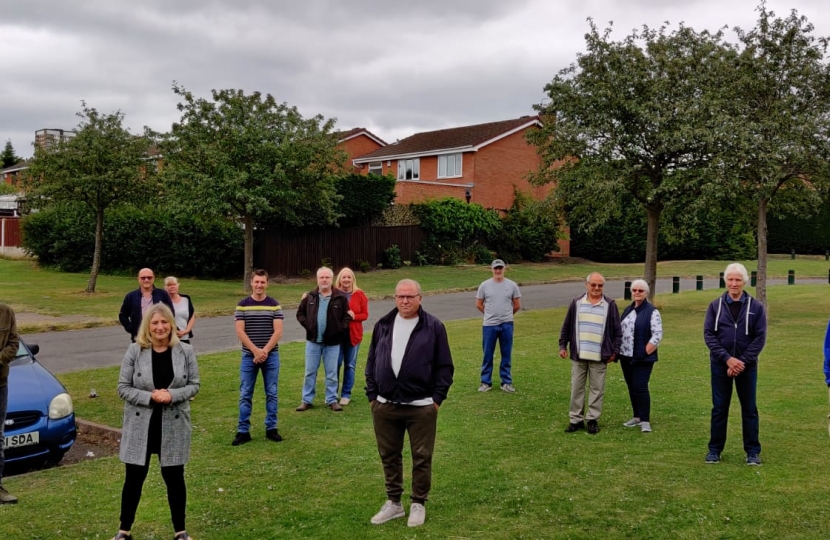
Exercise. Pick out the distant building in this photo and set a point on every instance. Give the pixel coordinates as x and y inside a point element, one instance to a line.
<point>47,138</point>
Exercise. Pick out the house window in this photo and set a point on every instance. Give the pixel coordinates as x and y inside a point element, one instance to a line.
<point>409,169</point>
<point>376,168</point>
<point>449,166</point>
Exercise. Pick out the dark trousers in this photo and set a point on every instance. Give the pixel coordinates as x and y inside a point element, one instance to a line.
<point>131,493</point>
<point>637,375</point>
<point>4,404</point>
<point>391,423</point>
<point>745,384</point>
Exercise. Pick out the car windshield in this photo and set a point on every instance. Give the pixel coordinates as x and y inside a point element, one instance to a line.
<point>23,357</point>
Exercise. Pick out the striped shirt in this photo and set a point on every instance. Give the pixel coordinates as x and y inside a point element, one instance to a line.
<point>259,317</point>
<point>591,326</point>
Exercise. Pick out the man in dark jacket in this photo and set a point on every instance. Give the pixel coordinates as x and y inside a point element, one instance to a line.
<point>9,343</point>
<point>592,331</point>
<point>324,313</point>
<point>735,331</point>
<point>138,301</point>
<point>408,374</point>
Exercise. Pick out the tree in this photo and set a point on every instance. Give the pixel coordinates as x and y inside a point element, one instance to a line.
<point>104,165</point>
<point>363,198</point>
<point>8,156</point>
<point>249,158</point>
<point>636,116</point>
<point>779,119</point>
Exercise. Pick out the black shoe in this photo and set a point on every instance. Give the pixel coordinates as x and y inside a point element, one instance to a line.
<point>712,457</point>
<point>593,427</point>
<point>241,438</point>
<point>273,435</point>
<point>575,427</point>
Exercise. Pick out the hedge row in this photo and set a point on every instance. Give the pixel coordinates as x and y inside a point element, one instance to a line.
<point>63,237</point>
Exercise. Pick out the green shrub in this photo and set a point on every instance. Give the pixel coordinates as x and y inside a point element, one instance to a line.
<point>392,257</point>
<point>62,236</point>
<point>479,254</point>
<point>529,231</point>
<point>364,266</point>
<point>451,225</point>
<point>363,198</point>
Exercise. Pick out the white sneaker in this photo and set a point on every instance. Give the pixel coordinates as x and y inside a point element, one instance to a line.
<point>388,511</point>
<point>634,422</point>
<point>645,427</point>
<point>484,387</point>
<point>417,515</point>
<point>508,388</point>
<point>345,401</point>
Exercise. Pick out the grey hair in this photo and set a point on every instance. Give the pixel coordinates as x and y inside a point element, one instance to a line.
<point>409,282</point>
<point>170,279</point>
<point>327,269</point>
<point>588,279</point>
<point>641,283</point>
<point>737,268</point>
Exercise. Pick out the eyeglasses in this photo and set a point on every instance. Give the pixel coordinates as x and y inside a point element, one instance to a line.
<point>406,297</point>
<point>638,290</point>
<point>145,278</point>
<point>596,285</point>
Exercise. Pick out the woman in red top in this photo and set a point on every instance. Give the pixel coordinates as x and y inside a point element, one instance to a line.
<point>359,311</point>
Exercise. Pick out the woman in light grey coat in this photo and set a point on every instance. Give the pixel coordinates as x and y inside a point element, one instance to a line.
<point>158,377</point>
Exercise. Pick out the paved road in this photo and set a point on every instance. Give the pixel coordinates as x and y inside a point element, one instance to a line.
<point>75,350</point>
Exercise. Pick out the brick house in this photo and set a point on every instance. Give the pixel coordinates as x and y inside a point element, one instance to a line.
<point>359,142</point>
<point>483,163</point>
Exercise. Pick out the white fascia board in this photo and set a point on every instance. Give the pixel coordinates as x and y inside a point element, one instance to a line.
<point>411,155</point>
<point>359,133</point>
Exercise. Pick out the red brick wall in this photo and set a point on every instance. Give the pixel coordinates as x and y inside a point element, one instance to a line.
<point>412,192</point>
<point>359,146</point>
<point>502,166</point>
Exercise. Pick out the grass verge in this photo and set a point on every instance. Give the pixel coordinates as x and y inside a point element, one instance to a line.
<point>503,468</point>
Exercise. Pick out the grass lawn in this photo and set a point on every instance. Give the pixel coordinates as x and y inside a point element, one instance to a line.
<point>503,467</point>
<point>31,289</point>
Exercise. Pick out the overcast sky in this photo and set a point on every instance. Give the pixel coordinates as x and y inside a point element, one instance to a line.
<point>396,67</point>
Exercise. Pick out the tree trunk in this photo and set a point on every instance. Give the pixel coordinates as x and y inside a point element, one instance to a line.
<point>761,289</point>
<point>653,212</point>
<point>96,256</point>
<point>248,220</point>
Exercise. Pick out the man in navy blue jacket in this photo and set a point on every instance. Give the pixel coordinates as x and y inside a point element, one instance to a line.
<point>735,330</point>
<point>138,301</point>
<point>408,375</point>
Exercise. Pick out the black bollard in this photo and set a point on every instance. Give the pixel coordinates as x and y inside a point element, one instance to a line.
<point>791,277</point>
<point>699,283</point>
<point>721,283</point>
<point>627,293</point>
<point>753,281</point>
<point>675,284</point>
<point>792,254</point>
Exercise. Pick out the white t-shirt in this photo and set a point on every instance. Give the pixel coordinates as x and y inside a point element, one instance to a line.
<point>182,312</point>
<point>402,330</point>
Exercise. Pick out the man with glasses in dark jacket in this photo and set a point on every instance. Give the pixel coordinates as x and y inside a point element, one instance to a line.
<point>408,375</point>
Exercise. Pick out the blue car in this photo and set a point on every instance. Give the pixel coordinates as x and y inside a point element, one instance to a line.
<point>40,419</point>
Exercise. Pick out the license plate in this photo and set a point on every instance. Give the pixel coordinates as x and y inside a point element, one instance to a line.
<point>24,439</point>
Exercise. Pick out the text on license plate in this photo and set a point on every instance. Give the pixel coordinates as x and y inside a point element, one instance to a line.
<point>23,439</point>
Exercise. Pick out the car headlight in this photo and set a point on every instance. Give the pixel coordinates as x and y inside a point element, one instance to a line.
<point>60,407</point>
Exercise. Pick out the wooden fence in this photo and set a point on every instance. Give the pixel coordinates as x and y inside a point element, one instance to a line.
<point>9,232</point>
<point>289,254</point>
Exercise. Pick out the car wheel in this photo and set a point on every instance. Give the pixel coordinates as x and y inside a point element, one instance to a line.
<point>54,459</point>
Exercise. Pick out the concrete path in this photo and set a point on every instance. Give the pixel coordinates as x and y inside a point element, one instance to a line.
<point>75,350</point>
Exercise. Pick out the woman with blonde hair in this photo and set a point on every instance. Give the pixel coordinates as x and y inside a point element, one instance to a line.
<point>359,312</point>
<point>158,377</point>
<point>183,310</point>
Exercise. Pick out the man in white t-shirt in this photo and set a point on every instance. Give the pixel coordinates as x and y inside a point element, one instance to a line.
<point>408,374</point>
<point>498,298</point>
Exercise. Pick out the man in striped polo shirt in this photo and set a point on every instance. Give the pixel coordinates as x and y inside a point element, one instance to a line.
<point>592,330</point>
<point>259,328</point>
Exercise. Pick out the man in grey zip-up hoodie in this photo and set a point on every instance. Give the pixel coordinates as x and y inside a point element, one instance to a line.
<point>735,331</point>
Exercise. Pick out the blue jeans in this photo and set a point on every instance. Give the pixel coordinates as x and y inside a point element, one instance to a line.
<point>504,333</point>
<point>247,380</point>
<point>348,356</point>
<point>637,374</point>
<point>745,384</point>
<point>314,352</point>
